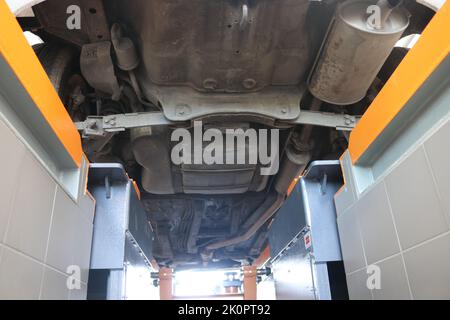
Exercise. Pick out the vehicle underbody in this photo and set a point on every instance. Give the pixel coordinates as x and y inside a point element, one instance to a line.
<point>229,63</point>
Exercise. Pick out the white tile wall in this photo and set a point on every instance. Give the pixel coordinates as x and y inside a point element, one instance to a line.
<point>428,267</point>
<point>375,215</point>
<point>80,294</point>
<point>20,276</point>
<point>32,210</point>
<point>438,151</point>
<point>62,235</point>
<point>357,288</point>
<point>351,243</point>
<point>54,285</point>
<point>403,221</point>
<point>394,283</point>
<point>415,205</point>
<point>16,152</point>
<point>42,230</point>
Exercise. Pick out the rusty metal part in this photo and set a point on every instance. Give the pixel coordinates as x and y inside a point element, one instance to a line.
<point>292,166</point>
<point>215,46</point>
<point>263,218</point>
<point>53,15</point>
<point>122,122</point>
<point>182,103</point>
<point>353,53</point>
<point>98,69</point>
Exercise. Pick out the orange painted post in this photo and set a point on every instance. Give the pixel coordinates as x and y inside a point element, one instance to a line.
<point>165,284</point>
<point>426,55</point>
<point>232,290</point>
<point>21,58</point>
<point>250,275</point>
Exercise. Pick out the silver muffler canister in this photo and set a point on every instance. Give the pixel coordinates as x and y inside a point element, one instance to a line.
<point>358,42</point>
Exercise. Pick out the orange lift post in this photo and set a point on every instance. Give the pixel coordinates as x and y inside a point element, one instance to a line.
<point>165,284</point>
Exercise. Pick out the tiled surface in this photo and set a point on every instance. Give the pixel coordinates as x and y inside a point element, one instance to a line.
<point>32,210</point>
<point>357,288</point>
<point>62,243</point>
<point>394,283</point>
<point>16,152</point>
<point>439,157</point>
<point>415,204</point>
<point>352,249</point>
<point>374,216</point>
<point>42,230</point>
<point>87,207</point>
<point>428,268</point>
<point>82,244</point>
<point>78,294</point>
<point>403,220</point>
<point>20,276</point>
<point>54,285</point>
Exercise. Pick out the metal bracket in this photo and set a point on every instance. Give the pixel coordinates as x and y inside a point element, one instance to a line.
<point>342,122</point>
<point>92,127</point>
<point>99,126</point>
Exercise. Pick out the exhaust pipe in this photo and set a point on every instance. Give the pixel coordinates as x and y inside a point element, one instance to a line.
<point>265,216</point>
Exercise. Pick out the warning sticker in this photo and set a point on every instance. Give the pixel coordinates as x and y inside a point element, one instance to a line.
<point>307,240</point>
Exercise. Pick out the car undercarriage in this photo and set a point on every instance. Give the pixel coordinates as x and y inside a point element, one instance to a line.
<point>134,71</point>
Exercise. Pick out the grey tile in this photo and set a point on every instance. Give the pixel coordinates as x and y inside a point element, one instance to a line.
<point>439,156</point>
<point>20,276</point>
<point>82,248</point>
<point>351,245</point>
<point>415,205</point>
<point>32,210</point>
<point>54,286</point>
<point>428,268</point>
<point>78,294</point>
<point>61,244</point>
<point>394,283</point>
<point>87,207</point>
<point>377,227</point>
<point>343,199</point>
<point>8,185</point>
<point>357,286</point>
<point>70,236</point>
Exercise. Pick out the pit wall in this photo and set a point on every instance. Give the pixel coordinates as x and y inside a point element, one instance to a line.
<point>394,209</point>
<point>46,215</point>
<point>43,230</point>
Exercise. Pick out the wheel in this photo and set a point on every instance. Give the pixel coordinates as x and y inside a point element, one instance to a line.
<point>61,63</point>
